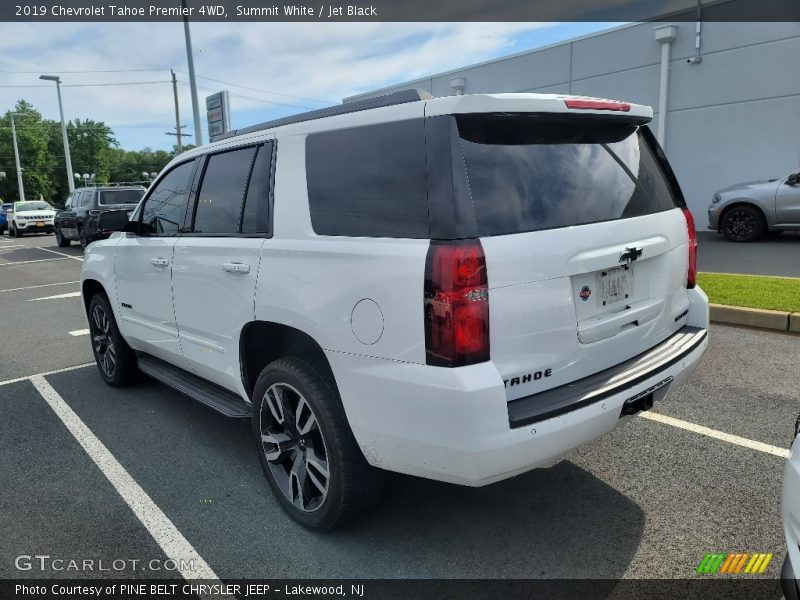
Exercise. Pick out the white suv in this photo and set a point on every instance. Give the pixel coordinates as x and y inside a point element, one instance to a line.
<point>458,288</point>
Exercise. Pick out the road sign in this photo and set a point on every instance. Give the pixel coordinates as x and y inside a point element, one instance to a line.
<point>218,114</point>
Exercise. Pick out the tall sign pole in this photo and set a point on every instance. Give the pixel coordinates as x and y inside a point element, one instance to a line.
<point>198,136</point>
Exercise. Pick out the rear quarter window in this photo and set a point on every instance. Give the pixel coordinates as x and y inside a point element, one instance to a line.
<point>369,181</point>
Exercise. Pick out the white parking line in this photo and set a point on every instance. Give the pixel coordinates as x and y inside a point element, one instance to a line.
<point>27,262</point>
<point>64,370</point>
<point>33,287</point>
<point>59,253</point>
<point>717,435</point>
<point>56,297</point>
<point>14,246</point>
<point>163,530</point>
<point>79,332</point>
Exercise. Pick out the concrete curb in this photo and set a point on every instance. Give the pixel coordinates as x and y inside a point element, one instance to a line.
<point>755,317</point>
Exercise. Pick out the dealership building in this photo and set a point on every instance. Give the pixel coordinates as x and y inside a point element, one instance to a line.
<point>725,96</point>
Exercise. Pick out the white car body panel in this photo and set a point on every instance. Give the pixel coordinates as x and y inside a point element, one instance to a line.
<point>790,506</point>
<point>212,304</point>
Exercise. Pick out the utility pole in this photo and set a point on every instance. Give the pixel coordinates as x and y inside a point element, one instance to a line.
<point>67,158</point>
<point>177,111</point>
<point>198,136</point>
<point>16,158</point>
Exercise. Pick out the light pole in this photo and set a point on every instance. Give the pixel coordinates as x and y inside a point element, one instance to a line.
<point>63,129</point>
<point>16,159</point>
<point>198,135</point>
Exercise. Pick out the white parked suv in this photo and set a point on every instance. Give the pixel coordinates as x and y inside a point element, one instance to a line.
<point>32,216</point>
<point>457,288</point>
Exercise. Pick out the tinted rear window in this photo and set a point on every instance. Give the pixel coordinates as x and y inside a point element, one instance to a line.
<point>369,181</point>
<point>110,197</point>
<point>527,173</point>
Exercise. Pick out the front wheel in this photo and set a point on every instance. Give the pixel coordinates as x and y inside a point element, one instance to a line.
<point>115,359</point>
<point>307,451</point>
<point>743,224</point>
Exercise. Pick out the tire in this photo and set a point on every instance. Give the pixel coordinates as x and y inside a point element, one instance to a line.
<point>322,443</point>
<point>62,241</point>
<point>115,359</point>
<point>15,232</point>
<point>743,223</point>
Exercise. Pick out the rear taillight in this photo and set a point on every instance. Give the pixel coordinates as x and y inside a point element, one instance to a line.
<point>582,103</point>
<point>456,304</point>
<point>691,274</point>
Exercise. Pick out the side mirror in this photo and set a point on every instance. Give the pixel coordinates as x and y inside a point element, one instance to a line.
<point>113,220</point>
<point>793,179</point>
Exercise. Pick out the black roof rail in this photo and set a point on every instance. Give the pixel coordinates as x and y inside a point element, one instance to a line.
<point>401,97</point>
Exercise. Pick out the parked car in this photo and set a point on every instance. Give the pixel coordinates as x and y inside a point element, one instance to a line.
<point>31,216</point>
<point>4,210</point>
<point>77,221</point>
<point>744,212</point>
<point>791,520</point>
<point>458,288</point>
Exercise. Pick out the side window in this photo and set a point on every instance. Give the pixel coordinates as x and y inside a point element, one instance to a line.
<point>256,204</point>
<point>165,208</point>
<point>219,202</point>
<point>86,197</point>
<point>369,181</point>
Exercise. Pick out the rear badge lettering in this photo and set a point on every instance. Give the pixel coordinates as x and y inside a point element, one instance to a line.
<point>536,376</point>
<point>585,293</point>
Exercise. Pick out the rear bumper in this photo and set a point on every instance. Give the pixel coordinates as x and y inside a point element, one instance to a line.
<point>454,424</point>
<point>618,379</point>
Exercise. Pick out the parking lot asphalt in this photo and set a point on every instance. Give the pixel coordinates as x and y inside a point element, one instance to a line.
<point>646,501</point>
<point>774,254</point>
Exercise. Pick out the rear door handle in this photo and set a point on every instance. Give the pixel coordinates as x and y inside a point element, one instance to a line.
<point>159,261</point>
<point>233,267</point>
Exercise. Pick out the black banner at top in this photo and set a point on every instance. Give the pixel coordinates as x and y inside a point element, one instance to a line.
<point>398,10</point>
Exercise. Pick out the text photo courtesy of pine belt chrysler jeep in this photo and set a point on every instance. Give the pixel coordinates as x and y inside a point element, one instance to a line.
<point>459,288</point>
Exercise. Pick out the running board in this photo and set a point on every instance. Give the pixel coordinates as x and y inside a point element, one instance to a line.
<point>205,392</point>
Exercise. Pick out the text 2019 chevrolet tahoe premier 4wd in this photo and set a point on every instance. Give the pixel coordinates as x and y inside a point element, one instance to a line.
<point>458,288</point>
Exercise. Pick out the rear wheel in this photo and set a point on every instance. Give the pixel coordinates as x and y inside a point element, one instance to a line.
<point>115,359</point>
<point>306,448</point>
<point>743,223</point>
<point>62,241</point>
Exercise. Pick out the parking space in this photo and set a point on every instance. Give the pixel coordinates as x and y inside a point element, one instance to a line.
<point>39,306</point>
<point>647,501</point>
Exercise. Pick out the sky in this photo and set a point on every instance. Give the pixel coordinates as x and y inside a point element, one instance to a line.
<point>269,69</point>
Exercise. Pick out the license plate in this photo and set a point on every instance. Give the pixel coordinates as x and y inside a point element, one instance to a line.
<point>614,285</point>
<point>40,223</point>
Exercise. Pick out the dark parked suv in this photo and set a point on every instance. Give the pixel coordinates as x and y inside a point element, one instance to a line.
<point>78,219</point>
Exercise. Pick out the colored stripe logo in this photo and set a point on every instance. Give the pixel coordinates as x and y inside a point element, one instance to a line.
<point>734,563</point>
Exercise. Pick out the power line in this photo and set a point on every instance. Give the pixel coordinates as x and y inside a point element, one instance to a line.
<point>48,70</point>
<point>262,90</point>
<point>252,99</point>
<point>85,84</point>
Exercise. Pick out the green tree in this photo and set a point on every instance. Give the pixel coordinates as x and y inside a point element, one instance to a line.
<point>35,158</point>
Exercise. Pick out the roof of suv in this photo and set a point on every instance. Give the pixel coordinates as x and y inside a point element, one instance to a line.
<point>398,104</point>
